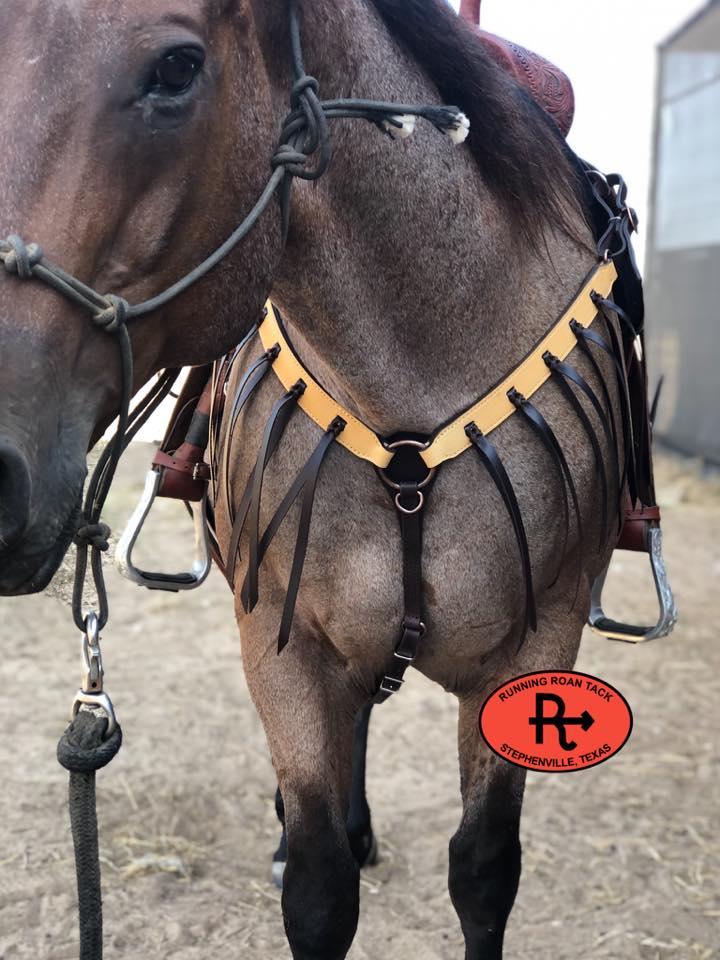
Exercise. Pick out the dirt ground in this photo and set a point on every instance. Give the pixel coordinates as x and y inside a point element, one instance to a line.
<point>621,861</point>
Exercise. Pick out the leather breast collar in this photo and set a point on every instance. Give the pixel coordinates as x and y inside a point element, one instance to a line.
<point>450,440</point>
<point>408,465</point>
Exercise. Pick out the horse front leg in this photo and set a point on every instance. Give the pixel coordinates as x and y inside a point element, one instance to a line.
<point>485,851</point>
<point>308,707</point>
<point>359,822</point>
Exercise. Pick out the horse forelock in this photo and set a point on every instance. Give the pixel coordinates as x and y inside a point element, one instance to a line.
<point>519,152</point>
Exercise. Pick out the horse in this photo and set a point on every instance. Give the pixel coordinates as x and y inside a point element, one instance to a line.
<point>411,277</point>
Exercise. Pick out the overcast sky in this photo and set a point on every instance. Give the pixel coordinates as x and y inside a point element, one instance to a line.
<point>607,49</point>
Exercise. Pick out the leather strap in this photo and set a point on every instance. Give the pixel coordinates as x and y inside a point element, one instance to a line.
<point>193,468</point>
<point>409,501</point>
<point>315,401</point>
<point>614,350</point>
<point>571,375</point>
<point>312,472</point>
<point>274,430</point>
<point>597,451</point>
<point>184,473</point>
<point>305,481</point>
<point>634,532</point>
<point>494,465</point>
<point>527,378</point>
<point>584,345</point>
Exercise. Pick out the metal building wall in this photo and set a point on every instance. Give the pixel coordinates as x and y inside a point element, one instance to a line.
<point>683,261</point>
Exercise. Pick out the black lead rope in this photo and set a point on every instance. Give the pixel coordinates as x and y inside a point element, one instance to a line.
<point>83,749</point>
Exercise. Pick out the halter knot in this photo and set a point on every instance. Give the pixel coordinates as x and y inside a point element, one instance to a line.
<point>95,535</point>
<point>21,257</point>
<point>300,87</point>
<point>290,158</point>
<point>114,316</point>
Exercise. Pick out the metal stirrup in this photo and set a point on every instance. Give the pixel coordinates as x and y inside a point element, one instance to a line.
<point>629,633</point>
<point>172,582</point>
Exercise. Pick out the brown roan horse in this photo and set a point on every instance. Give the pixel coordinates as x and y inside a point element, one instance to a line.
<point>135,136</point>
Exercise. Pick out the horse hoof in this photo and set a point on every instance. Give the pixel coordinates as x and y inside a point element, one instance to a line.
<point>278,871</point>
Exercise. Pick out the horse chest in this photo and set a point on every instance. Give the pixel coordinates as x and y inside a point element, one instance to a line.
<point>352,583</point>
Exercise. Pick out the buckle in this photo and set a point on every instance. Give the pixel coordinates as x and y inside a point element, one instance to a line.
<point>415,626</point>
<point>400,656</point>
<point>390,685</point>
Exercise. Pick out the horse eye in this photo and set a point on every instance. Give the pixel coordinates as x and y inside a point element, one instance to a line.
<point>176,72</point>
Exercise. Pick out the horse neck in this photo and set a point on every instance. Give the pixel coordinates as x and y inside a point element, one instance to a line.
<point>402,286</point>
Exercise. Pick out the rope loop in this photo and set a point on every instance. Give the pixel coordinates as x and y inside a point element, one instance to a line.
<point>20,258</point>
<point>114,316</point>
<point>95,535</point>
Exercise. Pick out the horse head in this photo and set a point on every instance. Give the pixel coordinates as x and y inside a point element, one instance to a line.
<point>128,154</point>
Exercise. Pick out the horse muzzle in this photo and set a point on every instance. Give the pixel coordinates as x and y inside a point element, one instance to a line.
<point>33,536</point>
<point>15,493</point>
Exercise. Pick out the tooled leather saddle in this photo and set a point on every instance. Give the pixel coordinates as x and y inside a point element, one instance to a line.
<point>546,83</point>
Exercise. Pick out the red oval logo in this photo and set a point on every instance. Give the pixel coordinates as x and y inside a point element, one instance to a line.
<point>556,721</point>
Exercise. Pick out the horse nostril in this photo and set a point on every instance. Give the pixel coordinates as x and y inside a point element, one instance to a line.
<point>14,494</point>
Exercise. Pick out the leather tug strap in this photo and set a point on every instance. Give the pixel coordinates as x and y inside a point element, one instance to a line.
<point>413,626</point>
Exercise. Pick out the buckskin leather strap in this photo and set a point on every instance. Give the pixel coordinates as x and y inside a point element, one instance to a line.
<point>495,407</point>
<point>488,413</point>
<point>317,404</point>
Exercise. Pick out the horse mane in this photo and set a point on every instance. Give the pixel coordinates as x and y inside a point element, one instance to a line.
<point>521,154</point>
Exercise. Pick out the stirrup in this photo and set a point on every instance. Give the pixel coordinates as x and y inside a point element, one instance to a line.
<point>615,630</point>
<point>163,581</point>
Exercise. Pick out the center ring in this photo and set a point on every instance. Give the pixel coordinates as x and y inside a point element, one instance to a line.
<point>396,486</point>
